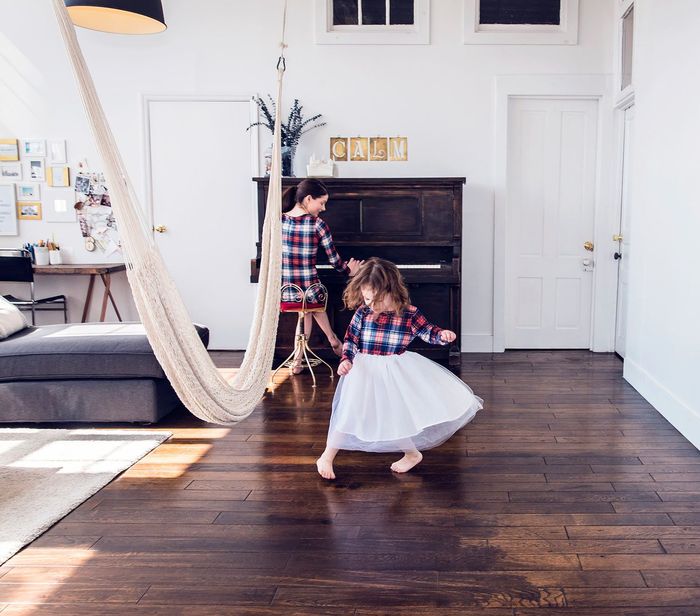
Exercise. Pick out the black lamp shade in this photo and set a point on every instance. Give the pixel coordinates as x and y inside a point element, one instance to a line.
<point>118,16</point>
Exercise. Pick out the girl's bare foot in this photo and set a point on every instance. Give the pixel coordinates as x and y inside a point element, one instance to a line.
<point>410,459</point>
<point>325,468</point>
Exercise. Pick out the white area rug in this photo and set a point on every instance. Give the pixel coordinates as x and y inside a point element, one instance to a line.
<point>45,474</point>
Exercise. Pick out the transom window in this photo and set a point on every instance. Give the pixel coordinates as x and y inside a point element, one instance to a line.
<point>520,12</point>
<point>373,12</point>
<point>627,47</point>
<point>521,22</point>
<point>373,22</point>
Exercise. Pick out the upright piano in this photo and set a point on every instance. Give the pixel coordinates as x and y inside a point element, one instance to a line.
<point>413,222</point>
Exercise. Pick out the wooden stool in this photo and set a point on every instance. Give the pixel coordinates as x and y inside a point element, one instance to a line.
<point>301,305</point>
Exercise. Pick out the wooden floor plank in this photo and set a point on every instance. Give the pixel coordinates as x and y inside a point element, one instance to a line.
<point>568,492</point>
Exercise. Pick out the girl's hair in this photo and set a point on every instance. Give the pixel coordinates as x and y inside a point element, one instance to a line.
<point>385,280</point>
<point>296,194</point>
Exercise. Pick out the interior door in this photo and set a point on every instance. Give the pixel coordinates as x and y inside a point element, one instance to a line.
<point>552,145</point>
<point>202,204</point>
<point>623,253</point>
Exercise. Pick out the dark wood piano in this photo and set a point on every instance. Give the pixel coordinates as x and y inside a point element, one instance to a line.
<point>414,222</point>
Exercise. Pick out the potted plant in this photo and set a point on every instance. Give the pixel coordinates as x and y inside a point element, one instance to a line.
<point>291,130</point>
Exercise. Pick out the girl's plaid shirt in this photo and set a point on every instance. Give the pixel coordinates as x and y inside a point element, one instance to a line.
<point>301,236</point>
<point>387,333</point>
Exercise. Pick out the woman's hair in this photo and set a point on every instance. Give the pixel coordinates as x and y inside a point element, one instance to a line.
<point>296,194</point>
<point>385,280</point>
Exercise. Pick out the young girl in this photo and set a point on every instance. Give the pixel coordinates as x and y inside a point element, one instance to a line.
<point>302,232</point>
<point>389,399</point>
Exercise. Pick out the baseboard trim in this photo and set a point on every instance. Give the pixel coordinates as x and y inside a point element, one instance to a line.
<point>685,419</point>
<point>477,343</point>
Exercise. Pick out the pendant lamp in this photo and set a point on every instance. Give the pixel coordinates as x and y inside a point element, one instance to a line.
<point>118,16</point>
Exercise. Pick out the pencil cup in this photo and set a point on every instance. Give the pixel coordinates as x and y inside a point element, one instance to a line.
<point>41,255</point>
<point>55,257</point>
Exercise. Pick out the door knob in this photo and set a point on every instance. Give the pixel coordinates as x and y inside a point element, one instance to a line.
<point>160,229</point>
<point>588,246</point>
<point>617,237</point>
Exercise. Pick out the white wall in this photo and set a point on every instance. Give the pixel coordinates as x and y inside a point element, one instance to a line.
<point>663,337</point>
<point>440,95</point>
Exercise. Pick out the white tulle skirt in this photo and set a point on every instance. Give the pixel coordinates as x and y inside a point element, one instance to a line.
<point>398,403</point>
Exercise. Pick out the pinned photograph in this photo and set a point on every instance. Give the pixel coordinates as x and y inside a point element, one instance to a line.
<point>9,150</point>
<point>11,172</point>
<point>28,192</point>
<point>34,147</point>
<point>82,184</point>
<point>57,151</point>
<point>29,210</point>
<point>37,169</point>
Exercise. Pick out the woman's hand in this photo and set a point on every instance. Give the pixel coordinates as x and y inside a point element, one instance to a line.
<point>344,367</point>
<point>354,265</point>
<point>447,336</point>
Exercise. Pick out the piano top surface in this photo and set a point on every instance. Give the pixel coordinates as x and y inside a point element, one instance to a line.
<point>402,182</point>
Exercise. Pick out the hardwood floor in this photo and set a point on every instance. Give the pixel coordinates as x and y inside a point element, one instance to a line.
<point>568,492</point>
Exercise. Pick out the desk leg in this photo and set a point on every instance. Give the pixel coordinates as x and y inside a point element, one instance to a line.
<point>107,281</point>
<point>88,298</point>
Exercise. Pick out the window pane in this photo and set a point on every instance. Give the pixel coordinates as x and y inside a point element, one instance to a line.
<point>344,12</point>
<point>519,12</point>
<point>401,12</point>
<point>627,37</point>
<point>373,12</point>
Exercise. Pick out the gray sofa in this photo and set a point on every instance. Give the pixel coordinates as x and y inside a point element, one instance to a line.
<point>83,372</point>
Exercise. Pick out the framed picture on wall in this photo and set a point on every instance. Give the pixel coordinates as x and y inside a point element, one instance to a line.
<point>58,175</point>
<point>33,147</point>
<point>29,210</point>
<point>9,150</point>
<point>36,169</point>
<point>58,205</point>
<point>10,172</point>
<point>8,217</point>
<point>57,151</point>
<point>28,192</point>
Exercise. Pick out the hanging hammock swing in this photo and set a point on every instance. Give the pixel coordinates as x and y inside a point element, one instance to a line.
<point>175,342</point>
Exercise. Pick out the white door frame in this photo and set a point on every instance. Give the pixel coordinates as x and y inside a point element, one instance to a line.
<point>596,87</point>
<point>622,186</point>
<point>203,98</point>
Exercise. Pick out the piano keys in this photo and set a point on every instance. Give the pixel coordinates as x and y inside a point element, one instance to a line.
<point>413,222</point>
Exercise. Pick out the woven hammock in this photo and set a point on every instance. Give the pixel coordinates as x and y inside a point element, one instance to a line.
<point>175,342</point>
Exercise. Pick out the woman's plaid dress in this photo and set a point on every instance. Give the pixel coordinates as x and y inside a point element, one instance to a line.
<point>301,236</point>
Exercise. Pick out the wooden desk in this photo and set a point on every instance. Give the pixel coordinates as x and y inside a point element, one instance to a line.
<point>103,270</point>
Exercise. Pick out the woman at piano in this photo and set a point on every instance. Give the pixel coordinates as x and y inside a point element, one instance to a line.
<point>389,399</point>
<point>302,232</point>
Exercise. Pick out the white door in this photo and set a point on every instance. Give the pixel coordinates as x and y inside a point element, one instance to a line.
<point>202,193</point>
<point>623,243</point>
<point>549,216</point>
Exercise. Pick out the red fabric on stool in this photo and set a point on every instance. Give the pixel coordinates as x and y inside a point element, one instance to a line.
<point>297,307</point>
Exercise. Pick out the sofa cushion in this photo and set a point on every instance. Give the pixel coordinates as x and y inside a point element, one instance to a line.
<point>11,319</point>
<point>81,351</point>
